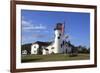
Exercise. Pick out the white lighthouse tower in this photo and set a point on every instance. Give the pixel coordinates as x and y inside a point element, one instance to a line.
<point>58,37</point>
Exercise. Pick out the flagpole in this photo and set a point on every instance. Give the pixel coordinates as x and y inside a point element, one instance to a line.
<point>64,36</point>
<point>64,27</point>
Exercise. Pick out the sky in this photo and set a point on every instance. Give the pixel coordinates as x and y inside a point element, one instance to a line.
<point>39,26</point>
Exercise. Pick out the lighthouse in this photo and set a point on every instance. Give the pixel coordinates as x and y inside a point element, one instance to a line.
<point>46,48</point>
<point>59,32</point>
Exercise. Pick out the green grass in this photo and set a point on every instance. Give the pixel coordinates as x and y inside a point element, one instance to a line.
<point>53,57</point>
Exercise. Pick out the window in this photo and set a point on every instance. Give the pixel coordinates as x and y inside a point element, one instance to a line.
<point>52,48</point>
<point>34,51</point>
<point>63,42</point>
<point>60,34</point>
<point>47,49</point>
<point>34,46</point>
<point>59,37</point>
<point>61,45</point>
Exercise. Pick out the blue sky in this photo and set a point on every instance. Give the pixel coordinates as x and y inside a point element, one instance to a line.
<point>39,26</point>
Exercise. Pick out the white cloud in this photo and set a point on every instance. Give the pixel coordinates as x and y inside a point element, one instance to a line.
<point>35,27</point>
<point>28,25</point>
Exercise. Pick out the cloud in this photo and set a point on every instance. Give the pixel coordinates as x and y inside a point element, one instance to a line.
<point>28,25</point>
<point>39,36</point>
<point>35,27</point>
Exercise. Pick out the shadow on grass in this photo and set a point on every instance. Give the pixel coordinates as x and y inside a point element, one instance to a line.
<point>30,60</point>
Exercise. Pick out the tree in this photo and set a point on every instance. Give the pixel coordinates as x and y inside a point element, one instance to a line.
<point>83,49</point>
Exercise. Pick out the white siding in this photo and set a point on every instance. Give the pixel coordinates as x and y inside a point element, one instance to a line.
<point>34,49</point>
<point>24,52</point>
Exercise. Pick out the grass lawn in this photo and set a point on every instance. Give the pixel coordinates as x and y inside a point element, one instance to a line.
<point>53,57</point>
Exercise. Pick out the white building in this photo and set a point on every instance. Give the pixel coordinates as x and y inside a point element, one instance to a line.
<point>34,48</point>
<point>57,46</point>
